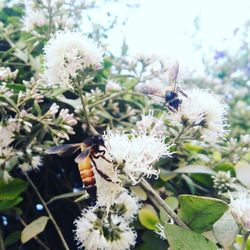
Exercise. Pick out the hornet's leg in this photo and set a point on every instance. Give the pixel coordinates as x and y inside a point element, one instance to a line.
<point>104,176</point>
<point>103,157</point>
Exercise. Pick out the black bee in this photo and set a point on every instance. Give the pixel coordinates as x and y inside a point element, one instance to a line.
<point>171,97</point>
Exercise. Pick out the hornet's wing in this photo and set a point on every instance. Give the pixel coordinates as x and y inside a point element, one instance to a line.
<point>64,150</point>
<point>83,155</point>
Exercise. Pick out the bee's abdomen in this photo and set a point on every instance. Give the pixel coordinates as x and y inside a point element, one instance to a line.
<point>86,173</point>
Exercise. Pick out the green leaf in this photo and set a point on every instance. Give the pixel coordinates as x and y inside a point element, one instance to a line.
<point>184,239</point>
<point>69,195</point>
<point>172,202</point>
<point>16,87</point>
<point>225,230</point>
<point>195,169</point>
<point>192,147</point>
<point>217,155</point>
<point>10,190</point>
<point>151,240</point>
<point>148,218</point>
<point>200,213</point>
<point>139,192</point>
<point>37,107</point>
<point>12,238</point>
<point>10,102</point>
<point>167,175</point>
<point>239,240</point>
<point>6,204</point>
<point>34,228</point>
<point>226,166</point>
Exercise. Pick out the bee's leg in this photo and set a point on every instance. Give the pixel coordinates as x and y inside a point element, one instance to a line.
<point>179,90</point>
<point>104,176</point>
<point>171,108</point>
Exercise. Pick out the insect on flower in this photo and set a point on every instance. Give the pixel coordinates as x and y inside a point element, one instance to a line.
<point>90,150</point>
<point>170,95</point>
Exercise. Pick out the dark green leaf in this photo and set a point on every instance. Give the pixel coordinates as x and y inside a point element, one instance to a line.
<point>12,238</point>
<point>151,240</point>
<point>226,166</point>
<point>184,239</point>
<point>10,190</point>
<point>200,213</point>
<point>6,204</point>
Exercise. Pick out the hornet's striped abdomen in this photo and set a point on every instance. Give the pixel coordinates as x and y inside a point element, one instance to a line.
<point>86,172</point>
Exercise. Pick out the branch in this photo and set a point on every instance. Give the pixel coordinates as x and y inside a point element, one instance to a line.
<point>48,212</point>
<point>147,187</point>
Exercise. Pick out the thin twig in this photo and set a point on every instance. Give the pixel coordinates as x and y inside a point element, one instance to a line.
<point>48,212</point>
<point>147,187</point>
<point>1,240</point>
<point>90,128</point>
<point>244,243</point>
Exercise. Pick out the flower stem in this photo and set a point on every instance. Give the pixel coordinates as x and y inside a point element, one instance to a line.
<point>147,187</point>
<point>48,212</point>
<point>1,240</point>
<point>90,128</point>
<point>244,243</point>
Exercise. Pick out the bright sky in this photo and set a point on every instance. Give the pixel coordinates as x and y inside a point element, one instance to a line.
<point>165,26</point>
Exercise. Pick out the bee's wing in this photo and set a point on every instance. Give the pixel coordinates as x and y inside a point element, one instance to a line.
<point>83,155</point>
<point>157,89</point>
<point>64,150</point>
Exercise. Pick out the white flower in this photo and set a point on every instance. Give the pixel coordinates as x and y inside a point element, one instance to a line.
<point>36,162</point>
<point>7,136</point>
<point>67,53</point>
<point>33,164</point>
<point>223,181</point>
<point>6,176</point>
<point>111,85</point>
<point>67,118</point>
<point>6,74</point>
<point>151,125</point>
<point>33,18</point>
<point>53,109</point>
<point>204,110</point>
<point>126,206</point>
<point>240,209</point>
<point>94,231</point>
<point>135,154</point>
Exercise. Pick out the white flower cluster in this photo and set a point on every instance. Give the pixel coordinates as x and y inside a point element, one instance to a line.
<point>66,54</point>
<point>135,154</point>
<point>223,181</point>
<point>64,121</point>
<point>203,110</point>
<point>32,164</point>
<point>151,125</point>
<point>97,230</point>
<point>240,209</point>
<point>6,150</point>
<point>6,74</point>
<point>33,17</point>
<point>113,86</point>
<point>37,14</point>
